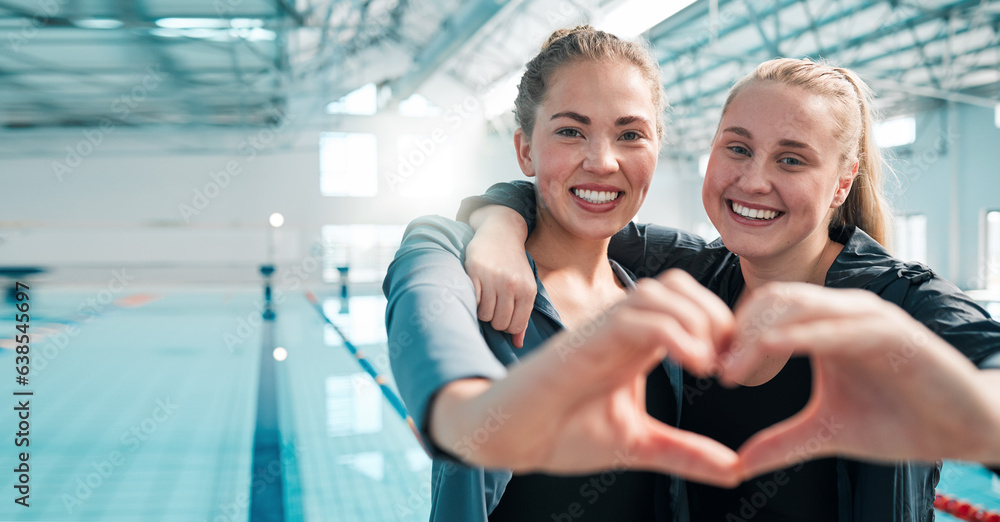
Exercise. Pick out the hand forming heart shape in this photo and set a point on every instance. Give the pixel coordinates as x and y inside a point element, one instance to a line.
<point>880,379</point>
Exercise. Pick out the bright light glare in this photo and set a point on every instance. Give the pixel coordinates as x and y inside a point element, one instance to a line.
<point>893,133</point>
<point>348,163</point>
<point>98,23</point>
<point>362,101</point>
<point>246,23</point>
<point>702,165</point>
<point>634,17</point>
<point>996,116</point>
<point>193,23</point>
<point>501,98</point>
<point>276,220</point>
<point>280,354</point>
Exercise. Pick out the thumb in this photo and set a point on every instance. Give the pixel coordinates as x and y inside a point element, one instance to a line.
<point>804,436</point>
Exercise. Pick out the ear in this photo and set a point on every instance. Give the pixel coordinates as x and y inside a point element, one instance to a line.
<point>522,146</point>
<point>844,185</point>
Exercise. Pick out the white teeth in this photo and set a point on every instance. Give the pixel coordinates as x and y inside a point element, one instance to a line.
<point>594,196</point>
<point>754,213</point>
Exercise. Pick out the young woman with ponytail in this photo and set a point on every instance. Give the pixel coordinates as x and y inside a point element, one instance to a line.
<point>794,187</point>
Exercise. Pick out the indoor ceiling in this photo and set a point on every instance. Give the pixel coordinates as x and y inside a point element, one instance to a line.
<point>238,63</point>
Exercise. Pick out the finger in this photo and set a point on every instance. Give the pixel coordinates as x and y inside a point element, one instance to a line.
<point>518,340</point>
<point>649,329</point>
<point>683,328</point>
<point>804,436</point>
<point>785,302</point>
<point>721,321</point>
<point>523,306</point>
<point>689,455</point>
<point>739,361</point>
<point>617,347</point>
<point>502,312</point>
<point>487,304</point>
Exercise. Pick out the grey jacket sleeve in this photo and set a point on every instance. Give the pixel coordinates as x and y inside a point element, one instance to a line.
<point>433,332</point>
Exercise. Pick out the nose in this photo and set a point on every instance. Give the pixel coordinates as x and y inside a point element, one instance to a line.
<point>601,158</point>
<point>754,178</point>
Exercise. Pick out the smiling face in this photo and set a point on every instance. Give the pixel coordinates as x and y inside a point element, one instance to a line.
<point>775,173</point>
<point>593,148</point>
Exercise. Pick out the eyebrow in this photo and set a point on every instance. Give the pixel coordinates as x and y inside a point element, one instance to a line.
<point>624,120</point>
<point>571,115</point>
<point>739,131</point>
<point>784,143</point>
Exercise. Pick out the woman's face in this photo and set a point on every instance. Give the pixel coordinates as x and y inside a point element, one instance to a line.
<point>775,173</point>
<point>593,148</point>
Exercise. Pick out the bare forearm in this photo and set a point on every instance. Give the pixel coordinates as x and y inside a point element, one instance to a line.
<point>499,219</point>
<point>990,386</point>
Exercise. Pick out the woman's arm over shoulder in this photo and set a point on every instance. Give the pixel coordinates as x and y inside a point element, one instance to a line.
<point>518,195</point>
<point>648,250</point>
<point>433,334</point>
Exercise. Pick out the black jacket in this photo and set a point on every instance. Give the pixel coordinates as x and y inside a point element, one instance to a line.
<point>867,492</point>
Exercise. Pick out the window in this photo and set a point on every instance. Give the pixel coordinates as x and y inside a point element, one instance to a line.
<point>893,133</point>
<point>363,102</point>
<point>990,264</point>
<point>911,237</point>
<point>417,106</point>
<point>347,164</point>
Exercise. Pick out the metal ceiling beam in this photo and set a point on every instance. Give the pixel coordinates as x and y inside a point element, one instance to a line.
<point>854,42</point>
<point>930,92</point>
<point>921,18</point>
<point>456,31</point>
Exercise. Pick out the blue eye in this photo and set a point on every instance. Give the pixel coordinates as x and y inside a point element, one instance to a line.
<point>631,136</point>
<point>570,133</point>
<point>791,161</point>
<point>739,149</point>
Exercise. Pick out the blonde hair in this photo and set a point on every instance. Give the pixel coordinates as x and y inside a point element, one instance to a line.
<point>583,43</point>
<point>851,100</point>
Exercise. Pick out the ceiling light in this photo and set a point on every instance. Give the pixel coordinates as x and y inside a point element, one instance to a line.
<point>98,23</point>
<point>193,23</point>
<point>246,23</point>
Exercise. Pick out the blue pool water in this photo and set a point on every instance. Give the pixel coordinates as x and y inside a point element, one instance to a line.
<point>145,408</point>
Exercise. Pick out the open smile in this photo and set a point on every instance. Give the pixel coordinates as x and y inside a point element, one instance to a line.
<point>756,214</point>
<point>596,197</point>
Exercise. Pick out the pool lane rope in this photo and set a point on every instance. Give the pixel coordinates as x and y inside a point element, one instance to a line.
<point>382,382</point>
<point>963,510</point>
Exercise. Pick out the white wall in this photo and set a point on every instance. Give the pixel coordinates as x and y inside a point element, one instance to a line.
<point>131,200</point>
